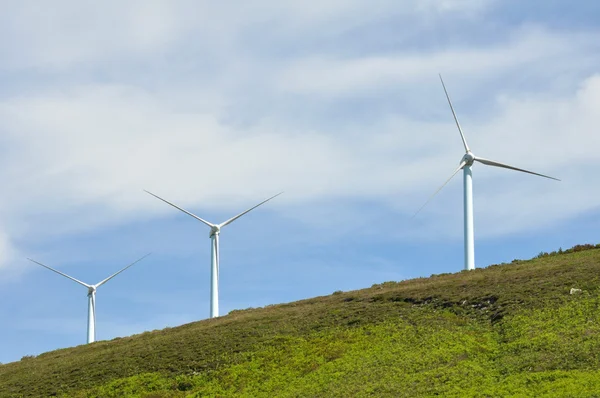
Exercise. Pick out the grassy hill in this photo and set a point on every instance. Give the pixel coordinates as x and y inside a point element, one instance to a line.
<point>506,330</point>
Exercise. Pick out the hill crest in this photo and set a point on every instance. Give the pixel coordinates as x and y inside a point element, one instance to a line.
<point>507,329</point>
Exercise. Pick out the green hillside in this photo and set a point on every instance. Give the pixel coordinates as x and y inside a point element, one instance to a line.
<point>506,330</point>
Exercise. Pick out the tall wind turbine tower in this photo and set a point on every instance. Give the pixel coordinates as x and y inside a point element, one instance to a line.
<point>466,165</point>
<point>215,230</point>
<point>91,329</point>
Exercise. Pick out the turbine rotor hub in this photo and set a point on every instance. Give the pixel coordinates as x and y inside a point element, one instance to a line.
<point>91,290</point>
<point>469,158</point>
<point>214,231</point>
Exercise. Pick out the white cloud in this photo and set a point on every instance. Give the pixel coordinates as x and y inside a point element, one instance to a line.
<point>7,251</point>
<point>97,147</point>
<point>66,33</point>
<point>69,34</point>
<point>452,5</point>
<point>81,154</point>
<point>526,49</point>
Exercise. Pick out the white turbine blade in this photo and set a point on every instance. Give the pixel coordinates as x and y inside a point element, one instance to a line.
<point>232,219</point>
<point>60,273</point>
<point>117,273</point>
<point>183,210</point>
<point>217,254</point>
<point>440,188</point>
<point>505,166</point>
<point>462,135</point>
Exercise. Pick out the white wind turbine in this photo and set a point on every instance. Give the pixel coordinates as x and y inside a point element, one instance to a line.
<point>466,163</point>
<point>215,230</point>
<point>91,329</point>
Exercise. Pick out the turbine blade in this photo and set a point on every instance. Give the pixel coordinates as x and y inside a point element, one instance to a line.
<point>505,166</point>
<point>462,164</point>
<point>60,273</point>
<point>232,219</point>
<point>117,273</point>
<point>183,210</point>
<point>217,254</point>
<point>462,135</point>
<point>94,313</point>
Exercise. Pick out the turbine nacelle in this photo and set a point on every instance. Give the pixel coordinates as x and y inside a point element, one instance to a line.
<point>468,159</point>
<point>214,230</point>
<point>91,290</point>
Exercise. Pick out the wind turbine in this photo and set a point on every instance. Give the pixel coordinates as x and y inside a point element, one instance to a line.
<point>466,164</point>
<point>91,329</point>
<point>215,230</point>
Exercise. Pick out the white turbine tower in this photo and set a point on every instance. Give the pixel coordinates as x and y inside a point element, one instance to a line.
<point>466,164</point>
<point>91,329</point>
<point>215,230</point>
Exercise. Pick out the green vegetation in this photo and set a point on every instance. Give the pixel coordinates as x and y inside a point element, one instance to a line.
<point>506,330</point>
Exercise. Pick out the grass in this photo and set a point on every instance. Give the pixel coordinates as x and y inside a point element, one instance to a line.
<point>506,330</point>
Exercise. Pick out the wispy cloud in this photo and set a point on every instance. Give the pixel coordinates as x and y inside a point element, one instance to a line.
<point>69,35</point>
<point>96,148</point>
<point>529,49</point>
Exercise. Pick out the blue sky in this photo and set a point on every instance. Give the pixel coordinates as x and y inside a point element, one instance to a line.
<point>219,106</point>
